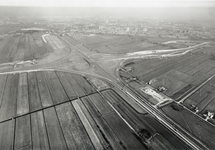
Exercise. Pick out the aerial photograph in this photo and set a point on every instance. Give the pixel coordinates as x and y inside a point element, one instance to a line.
<point>107,75</point>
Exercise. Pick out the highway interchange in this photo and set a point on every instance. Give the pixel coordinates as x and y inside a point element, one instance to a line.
<point>141,101</point>
<point>176,129</point>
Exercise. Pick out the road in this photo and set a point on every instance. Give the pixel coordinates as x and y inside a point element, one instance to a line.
<point>163,119</point>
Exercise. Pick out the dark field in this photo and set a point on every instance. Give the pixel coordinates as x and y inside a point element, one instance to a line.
<point>204,98</point>
<point>117,44</point>
<point>201,129</point>
<point>57,110</point>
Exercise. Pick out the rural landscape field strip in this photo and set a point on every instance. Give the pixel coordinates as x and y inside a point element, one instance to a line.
<point>195,67</point>
<point>22,137</point>
<point>112,138</point>
<point>78,90</point>
<point>89,124</point>
<point>192,63</point>
<point>38,131</point>
<point>151,65</point>
<point>198,96</point>
<point>5,49</point>
<point>34,96</point>
<point>199,77</point>
<point>39,49</point>
<point>20,52</point>
<point>158,144</point>
<point>155,73</point>
<point>70,90</point>
<point>8,105</point>
<point>28,53</point>
<point>7,130</point>
<point>211,72</point>
<point>3,79</point>
<point>96,41</point>
<point>184,61</point>
<point>9,50</point>
<point>123,131</point>
<point>56,89</point>
<point>205,102</point>
<point>75,134</point>
<point>23,48</point>
<point>210,106</point>
<point>22,97</point>
<point>54,130</point>
<point>106,111</point>
<point>180,62</point>
<point>4,43</point>
<point>204,98</point>
<point>84,84</point>
<point>45,95</point>
<point>135,120</point>
<point>13,52</point>
<point>5,46</point>
<point>33,47</point>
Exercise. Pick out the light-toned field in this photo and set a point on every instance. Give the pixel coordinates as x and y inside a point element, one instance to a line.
<point>6,29</point>
<point>23,48</point>
<point>55,42</point>
<point>119,44</point>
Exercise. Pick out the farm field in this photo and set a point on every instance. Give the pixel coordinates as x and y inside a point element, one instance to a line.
<point>119,44</point>
<point>59,110</point>
<point>192,123</point>
<point>23,48</point>
<point>203,100</point>
<point>177,75</point>
<point>6,29</point>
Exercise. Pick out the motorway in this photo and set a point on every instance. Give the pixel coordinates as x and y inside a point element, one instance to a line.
<point>163,119</point>
<point>166,121</point>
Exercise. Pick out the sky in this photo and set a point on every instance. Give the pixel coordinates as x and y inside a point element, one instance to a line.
<point>109,3</point>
